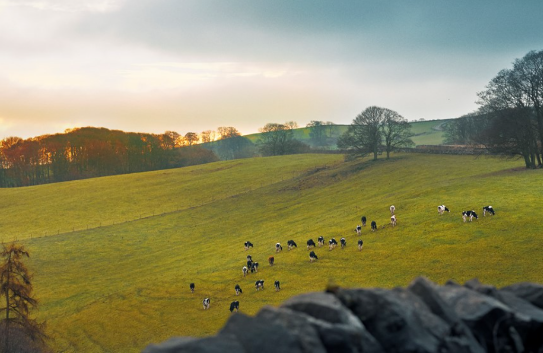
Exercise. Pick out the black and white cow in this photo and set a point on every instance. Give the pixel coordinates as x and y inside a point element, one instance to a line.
<point>363,219</point>
<point>343,242</point>
<point>312,256</point>
<point>291,244</point>
<point>332,243</point>
<point>259,284</point>
<point>393,220</point>
<point>245,270</point>
<point>249,258</point>
<point>278,247</point>
<point>373,226</point>
<point>310,243</point>
<point>249,264</point>
<point>358,229</point>
<point>277,286</point>
<point>234,306</point>
<point>248,245</point>
<point>442,208</point>
<point>360,244</point>
<point>206,303</point>
<point>320,241</point>
<point>392,209</point>
<point>254,267</point>
<point>271,260</point>
<point>488,209</point>
<point>238,289</point>
<point>470,214</point>
<point>191,287</point>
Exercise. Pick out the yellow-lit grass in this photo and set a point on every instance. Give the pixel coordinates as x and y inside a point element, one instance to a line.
<point>120,287</point>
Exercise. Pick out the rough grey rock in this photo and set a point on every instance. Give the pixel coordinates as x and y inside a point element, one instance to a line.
<point>532,292</point>
<point>215,344</point>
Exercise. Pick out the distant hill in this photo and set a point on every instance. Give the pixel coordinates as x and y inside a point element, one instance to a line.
<point>124,282</point>
<point>426,133</point>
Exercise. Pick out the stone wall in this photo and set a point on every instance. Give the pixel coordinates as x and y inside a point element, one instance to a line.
<point>424,317</point>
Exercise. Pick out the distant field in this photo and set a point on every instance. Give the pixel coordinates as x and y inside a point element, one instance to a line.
<point>426,133</point>
<point>119,287</point>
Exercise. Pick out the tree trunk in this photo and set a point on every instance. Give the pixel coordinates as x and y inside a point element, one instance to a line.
<point>7,303</point>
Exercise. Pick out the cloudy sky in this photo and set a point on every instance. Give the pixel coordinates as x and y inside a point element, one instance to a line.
<point>194,65</point>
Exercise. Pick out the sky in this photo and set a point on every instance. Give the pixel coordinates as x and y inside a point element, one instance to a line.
<point>195,65</point>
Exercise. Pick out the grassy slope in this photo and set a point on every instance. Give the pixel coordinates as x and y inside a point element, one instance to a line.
<point>119,287</point>
<point>426,133</point>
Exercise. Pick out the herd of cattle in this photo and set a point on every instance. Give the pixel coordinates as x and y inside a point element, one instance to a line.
<point>252,266</point>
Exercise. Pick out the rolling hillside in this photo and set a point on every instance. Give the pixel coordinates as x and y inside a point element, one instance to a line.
<point>123,283</point>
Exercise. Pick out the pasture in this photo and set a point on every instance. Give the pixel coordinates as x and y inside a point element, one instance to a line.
<point>124,282</point>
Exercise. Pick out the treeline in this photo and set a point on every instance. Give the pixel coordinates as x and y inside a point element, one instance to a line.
<point>91,152</point>
<point>510,119</point>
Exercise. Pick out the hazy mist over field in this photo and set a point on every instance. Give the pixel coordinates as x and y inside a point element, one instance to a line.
<point>152,66</point>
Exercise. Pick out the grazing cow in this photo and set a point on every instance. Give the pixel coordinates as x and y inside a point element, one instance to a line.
<point>277,286</point>
<point>441,209</point>
<point>358,229</point>
<point>470,214</point>
<point>259,284</point>
<point>206,303</point>
<point>393,220</point>
<point>392,209</point>
<point>310,243</point>
<point>248,245</point>
<point>373,226</point>
<point>238,289</point>
<point>234,306</point>
<point>312,256</point>
<point>488,209</point>
<point>249,264</point>
<point>191,287</point>
<point>343,242</point>
<point>249,258</point>
<point>254,267</point>
<point>278,247</point>
<point>332,244</point>
<point>271,260</point>
<point>363,219</point>
<point>244,269</point>
<point>321,241</point>
<point>291,244</point>
<point>360,244</point>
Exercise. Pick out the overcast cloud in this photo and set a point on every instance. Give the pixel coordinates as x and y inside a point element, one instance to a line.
<point>193,65</point>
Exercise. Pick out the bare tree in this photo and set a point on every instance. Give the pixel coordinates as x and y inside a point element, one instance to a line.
<point>364,135</point>
<point>191,138</point>
<point>396,131</point>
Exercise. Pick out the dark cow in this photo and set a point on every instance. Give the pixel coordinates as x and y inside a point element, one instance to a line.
<point>238,289</point>
<point>373,226</point>
<point>470,214</point>
<point>277,286</point>
<point>392,209</point>
<point>310,243</point>
<point>360,244</point>
<point>259,284</point>
<point>234,306</point>
<point>278,247</point>
<point>363,219</point>
<point>191,287</point>
<point>442,208</point>
<point>271,260</point>
<point>358,229</point>
<point>312,256</point>
<point>393,220</point>
<point>291,244</point>
<point>332,244</point>
<point>206,303</point>
<point>249,264</point>
<point>254,267</point>
<point>245,270</point>
<point>488,209</point>
<point>343,242</point>
<point>249,258</point>
<point>248,245</point>
<point>320,241</point>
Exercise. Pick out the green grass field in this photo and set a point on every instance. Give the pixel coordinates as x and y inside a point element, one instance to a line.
<point>124,284</point>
